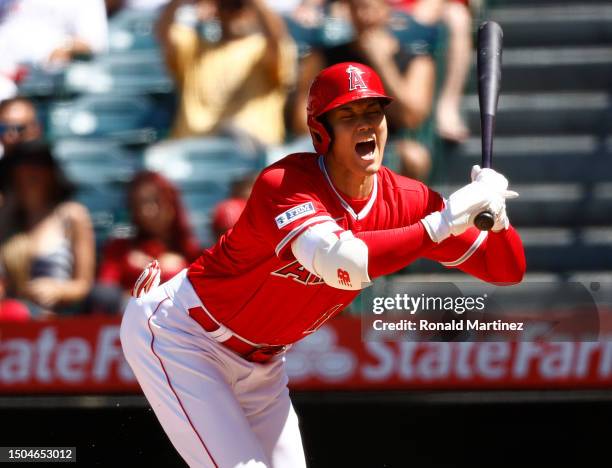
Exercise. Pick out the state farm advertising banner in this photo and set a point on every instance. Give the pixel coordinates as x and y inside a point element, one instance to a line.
<point>83,355</point>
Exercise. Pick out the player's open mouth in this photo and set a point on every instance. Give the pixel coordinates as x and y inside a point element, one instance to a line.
<point>365,149</point>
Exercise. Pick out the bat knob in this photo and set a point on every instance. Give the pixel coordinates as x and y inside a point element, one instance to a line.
<point>484,221</point>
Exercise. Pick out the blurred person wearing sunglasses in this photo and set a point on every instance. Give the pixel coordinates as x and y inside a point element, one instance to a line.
<point>18,122</point>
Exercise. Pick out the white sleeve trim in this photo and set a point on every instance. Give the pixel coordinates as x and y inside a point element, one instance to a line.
<point>469,252</point>
<point>295,231</point>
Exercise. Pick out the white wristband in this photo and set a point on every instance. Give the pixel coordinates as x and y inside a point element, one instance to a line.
<point>436,226</point>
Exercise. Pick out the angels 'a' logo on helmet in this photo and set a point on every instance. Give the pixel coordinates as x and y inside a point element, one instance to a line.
<point>355,79</point>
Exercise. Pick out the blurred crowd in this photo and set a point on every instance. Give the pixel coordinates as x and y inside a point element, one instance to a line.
<point>241,70</point>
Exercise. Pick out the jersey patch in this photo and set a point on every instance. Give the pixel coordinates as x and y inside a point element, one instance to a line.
<point>294,213</point>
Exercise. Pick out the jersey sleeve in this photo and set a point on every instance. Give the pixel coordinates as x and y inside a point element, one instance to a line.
<point>282,205</point>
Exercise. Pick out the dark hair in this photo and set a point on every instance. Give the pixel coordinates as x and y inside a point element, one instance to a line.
<point>37,152</point>
<point>232,5</point>
<point>183,239</point>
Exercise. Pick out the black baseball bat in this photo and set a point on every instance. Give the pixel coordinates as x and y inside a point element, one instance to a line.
<point>490,36</point>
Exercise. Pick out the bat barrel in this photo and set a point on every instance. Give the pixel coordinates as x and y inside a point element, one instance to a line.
<point>490,38</point>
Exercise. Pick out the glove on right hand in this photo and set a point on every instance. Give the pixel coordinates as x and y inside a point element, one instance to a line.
<point>463,206</point>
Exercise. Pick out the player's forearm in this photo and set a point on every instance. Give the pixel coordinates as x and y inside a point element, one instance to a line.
<point>350,261</point>
<point>391,250</point>
<point>501,259</point>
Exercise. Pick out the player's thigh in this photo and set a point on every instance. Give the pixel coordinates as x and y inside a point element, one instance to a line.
<point>271,415</point>
<point>188,390</point>
<point>280,436</point>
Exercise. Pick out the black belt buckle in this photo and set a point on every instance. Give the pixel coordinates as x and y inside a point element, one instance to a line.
<point>265,353</point>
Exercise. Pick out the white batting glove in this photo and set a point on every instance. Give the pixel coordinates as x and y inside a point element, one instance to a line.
<point>148,279</point>
<point>494,180</point>
<point>499,183</point>
<point>461,209</point>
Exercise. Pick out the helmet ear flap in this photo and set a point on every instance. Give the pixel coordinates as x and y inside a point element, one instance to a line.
<point>319,135</point>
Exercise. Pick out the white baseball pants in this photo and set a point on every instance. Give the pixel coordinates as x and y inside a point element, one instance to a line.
<point>218,409</point>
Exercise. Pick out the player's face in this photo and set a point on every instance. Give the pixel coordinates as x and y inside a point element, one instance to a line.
<point>360,135</point>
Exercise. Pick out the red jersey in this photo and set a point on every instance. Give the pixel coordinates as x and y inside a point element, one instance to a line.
<point>251,282</point>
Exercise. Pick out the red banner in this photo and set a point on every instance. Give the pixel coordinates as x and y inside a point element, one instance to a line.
<point>83,355</point>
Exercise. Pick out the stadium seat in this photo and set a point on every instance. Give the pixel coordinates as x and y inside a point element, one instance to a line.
<point>132,30</point>
<point>123,118</point>
<point>304,37</point>
<point>107,209</point>
<point>95,163</point>
<point>194,160</point>
<point>203,169</point>
<point>40,82</point>
<point>331,32</point>
<point>199,199</point>
<point>132,72</point>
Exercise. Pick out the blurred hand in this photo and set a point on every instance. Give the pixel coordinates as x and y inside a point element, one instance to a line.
<point>46,292</point>
<point>60,56</point>
<point>378,45</point>
<point>308,16</point>
<point>137,259</point>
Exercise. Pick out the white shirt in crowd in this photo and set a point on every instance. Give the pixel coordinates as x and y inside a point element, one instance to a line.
<point>30,30</point>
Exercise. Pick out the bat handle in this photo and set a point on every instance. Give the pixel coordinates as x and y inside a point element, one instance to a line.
<point>484,221</point>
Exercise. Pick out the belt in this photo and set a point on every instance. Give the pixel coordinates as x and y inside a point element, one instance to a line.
<point>249,351</point>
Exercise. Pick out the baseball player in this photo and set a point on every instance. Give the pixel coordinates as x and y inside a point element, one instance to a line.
<point>207,347</point>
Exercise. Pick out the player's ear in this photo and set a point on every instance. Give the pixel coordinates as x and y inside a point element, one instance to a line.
<point>316,136</point>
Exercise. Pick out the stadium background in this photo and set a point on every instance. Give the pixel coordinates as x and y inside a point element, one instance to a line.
<point>554,144</point>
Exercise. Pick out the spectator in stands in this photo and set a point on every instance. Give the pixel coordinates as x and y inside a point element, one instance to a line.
<point>408,75</point>
<point>18,122</point>
<point>47,248</point>
<point>11,310</point>
<point>457,18</point>
<point>237,84</point>
<point>227,212</point>
<point>162,232</point>
<point>47,33</point>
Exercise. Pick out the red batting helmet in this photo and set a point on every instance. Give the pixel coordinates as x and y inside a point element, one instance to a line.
<point>335,86</point>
